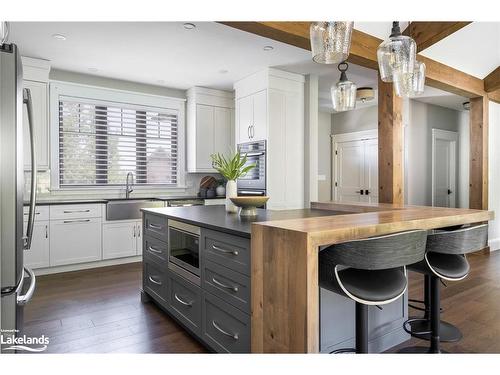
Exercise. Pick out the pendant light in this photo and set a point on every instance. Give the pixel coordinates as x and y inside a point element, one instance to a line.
<point>330,41</point>
<point>411,84</point>
<point>396,56</point>
<point>4,32</point>
<point>344,92</point>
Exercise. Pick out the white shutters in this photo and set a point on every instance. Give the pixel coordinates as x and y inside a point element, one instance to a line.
<point>101,141</point>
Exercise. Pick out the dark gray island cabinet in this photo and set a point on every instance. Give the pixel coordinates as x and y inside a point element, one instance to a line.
<point>215,304</point>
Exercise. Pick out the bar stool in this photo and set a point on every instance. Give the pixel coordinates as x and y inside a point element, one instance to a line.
<point>445,259</point>
<point>370,271</point>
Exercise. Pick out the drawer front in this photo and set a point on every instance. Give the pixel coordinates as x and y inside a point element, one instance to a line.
<point>230,251</point>
<point>231,286</point>
<point>184,302</point>
<point>225,328</point>
<point>74,211</point>
<point>41,213</point>
<point>155,280</point>
<point>155,226</point>
<point>155,250</point>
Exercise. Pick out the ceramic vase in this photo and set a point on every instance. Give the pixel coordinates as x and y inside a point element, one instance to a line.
<point>221,191</point>
<point>231,192</point>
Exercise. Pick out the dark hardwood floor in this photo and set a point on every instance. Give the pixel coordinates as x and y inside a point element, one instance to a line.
<point>99,311</point>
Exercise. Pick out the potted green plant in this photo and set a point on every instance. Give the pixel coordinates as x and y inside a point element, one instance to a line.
<point>231,168</point>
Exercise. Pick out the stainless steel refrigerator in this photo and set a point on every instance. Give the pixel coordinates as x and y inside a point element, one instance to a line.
<point>17,281</point>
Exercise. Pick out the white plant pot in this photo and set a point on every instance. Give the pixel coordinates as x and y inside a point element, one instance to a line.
<point>231,192</point>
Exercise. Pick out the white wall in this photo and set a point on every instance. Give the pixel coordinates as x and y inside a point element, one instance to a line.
<point>356,120</point>
<point>324,156</point>
<point>494,174</point>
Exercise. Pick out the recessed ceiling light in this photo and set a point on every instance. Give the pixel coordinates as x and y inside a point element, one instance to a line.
<point>189,26</point>
<point>268,48</point>
<point>223,71</point>
<point>93,70</point>
<point>59,36</point>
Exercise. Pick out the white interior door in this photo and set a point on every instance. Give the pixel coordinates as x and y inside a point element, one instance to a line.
<point>349,166</point>
<point>444,168</point>
<point>371,170</point>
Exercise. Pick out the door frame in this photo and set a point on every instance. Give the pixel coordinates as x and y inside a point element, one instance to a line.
<point>453,137</point>
<point>346,137</point>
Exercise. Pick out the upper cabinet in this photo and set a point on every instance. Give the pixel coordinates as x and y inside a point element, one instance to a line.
<point>251,117</point>
<point>210,124</point>
<point>35,78</point>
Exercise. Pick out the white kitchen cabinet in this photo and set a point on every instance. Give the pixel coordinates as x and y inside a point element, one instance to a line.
<point>252,117</point>
<point>75,241</point>
<point>209,127</point>
<point>244,110</point>
<point>39,96</point>
<point>121,239</point>
<point>38,255</point>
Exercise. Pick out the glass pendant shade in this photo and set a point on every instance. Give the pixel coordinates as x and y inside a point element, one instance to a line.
<point>344,92</point>
<point>4,32</point>
<point>330,41</point>
<point>396,55</point>
<point>411,84</point>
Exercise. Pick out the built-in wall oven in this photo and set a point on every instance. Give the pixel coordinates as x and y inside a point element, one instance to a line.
<point>184,250</point>
<point>254,182</point>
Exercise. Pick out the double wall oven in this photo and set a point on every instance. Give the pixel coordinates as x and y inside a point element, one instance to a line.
<point>254,183</point>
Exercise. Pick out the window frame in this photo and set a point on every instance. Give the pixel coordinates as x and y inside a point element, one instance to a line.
<point>59,89</point>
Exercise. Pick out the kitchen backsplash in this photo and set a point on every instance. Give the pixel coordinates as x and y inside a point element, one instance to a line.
<point>43,191</point>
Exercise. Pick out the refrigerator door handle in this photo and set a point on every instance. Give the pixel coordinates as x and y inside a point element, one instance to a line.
<point>34,175</point>
<point>25,298</point>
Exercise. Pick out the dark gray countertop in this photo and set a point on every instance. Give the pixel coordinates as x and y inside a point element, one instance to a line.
<point>216,217</point>
<point>49,201</point>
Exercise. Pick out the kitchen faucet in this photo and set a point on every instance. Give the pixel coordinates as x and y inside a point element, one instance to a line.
<point>128,188</point>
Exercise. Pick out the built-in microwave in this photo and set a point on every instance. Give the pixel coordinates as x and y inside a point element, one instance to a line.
<point>184,250</point>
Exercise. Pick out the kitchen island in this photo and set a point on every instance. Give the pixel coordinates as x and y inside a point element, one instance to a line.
<point>257,283</point>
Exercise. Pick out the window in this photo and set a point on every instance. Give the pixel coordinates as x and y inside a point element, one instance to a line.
<point>101,141</point>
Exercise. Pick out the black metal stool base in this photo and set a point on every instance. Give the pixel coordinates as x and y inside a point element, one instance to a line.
<point>420,328</point>
<point>419,350</point>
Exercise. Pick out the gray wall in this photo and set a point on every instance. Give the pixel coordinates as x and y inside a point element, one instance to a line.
<point>324,156</point>
<point>355,121</point>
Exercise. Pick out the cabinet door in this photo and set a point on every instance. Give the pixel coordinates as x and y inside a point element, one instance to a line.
<point>75,241</point>
<point>204,136</point>
<point>119,240</point>
<point>222,130</point>
<point>40,119</point>
<point>38,255</point>
<point>139,238</point>
<point>259,129</point>
<point>350,171</point>
<point>245,118</point>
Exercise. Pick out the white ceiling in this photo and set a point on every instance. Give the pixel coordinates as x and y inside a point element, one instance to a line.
<point>441,98</point>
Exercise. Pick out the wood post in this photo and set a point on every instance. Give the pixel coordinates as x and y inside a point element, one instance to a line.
<point>390,145</point>
<point>478,173</point>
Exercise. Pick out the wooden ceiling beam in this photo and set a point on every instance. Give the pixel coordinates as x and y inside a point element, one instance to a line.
<point>363,52</point>
<point>492,80</point>
<point>426,34</point>
<point>494,96</point>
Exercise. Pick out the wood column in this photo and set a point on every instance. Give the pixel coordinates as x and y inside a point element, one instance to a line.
<point>390,145</point>
<point>478,173</point>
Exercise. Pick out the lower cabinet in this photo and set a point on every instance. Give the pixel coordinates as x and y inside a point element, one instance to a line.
<point>121,239</point>
<point>75,241</point>
<point>184,302</point>
<point>155,281</point>
<point>38,255</point>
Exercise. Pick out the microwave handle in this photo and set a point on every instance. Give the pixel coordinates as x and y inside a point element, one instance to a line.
<point>251,192</point>
<point>252,154</point>
<point>34,175</point>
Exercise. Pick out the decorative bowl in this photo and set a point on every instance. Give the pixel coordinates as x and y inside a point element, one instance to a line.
<point>249,204</point>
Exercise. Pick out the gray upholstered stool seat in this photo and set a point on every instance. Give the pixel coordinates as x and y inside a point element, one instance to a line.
<point>375,286</point>
<point>448,266</point>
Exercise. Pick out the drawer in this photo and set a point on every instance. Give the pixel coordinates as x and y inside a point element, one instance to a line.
<point>155,280</point>
<point>184,301</point>
<point>230,251</point>
<point>41,213</point>
<point>225,328</point>
<point>155,226</point>
<point>75,211</point>
<point>155,250</point>
<point>231,286</point>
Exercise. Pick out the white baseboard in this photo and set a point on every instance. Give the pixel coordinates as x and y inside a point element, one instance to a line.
<point>85,266</point>
<point>494,244</point>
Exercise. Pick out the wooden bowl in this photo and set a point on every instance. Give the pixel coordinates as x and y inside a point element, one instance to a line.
<point>249,204</point>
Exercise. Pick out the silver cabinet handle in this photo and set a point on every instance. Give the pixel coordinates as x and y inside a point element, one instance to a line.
<point>234,288</point>
<point>252,132</point>
<point>27,213</point>
<point>248,131</point>
<point>181,301</point>
<point>154,226</point>
<point>153,250</point>
<point>34,173</point>
<point>218,328</point>
<point>138,231</point>
<point>134,231</point>
<point>76,221</point>
<point>225,251</point>
<point>46,231</point>
<point>74,211</point>
<point>24,299</point>
<point>154,281</point>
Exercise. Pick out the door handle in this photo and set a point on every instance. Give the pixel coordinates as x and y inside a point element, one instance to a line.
<point>367,191</point>
<point>154,281</point>
<point>182,302</point>
<point>248,132</point>
<point>234,288</point>
<point>449,192</point>
<point>76,221</point>
<point>152,249</point>
<point>361,192</point>
<point>134,231</point>
<point>253,131</point>
<point>224,332</point>
<point>225,251</point>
